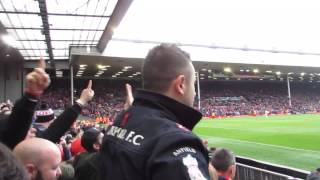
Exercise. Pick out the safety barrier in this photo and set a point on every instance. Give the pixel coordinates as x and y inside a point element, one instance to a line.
<point>250,169</point>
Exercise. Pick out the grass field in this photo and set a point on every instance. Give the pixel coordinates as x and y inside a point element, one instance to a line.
<point>291,140</point>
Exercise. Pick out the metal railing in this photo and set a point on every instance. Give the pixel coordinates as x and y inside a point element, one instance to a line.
<point>249,169</point>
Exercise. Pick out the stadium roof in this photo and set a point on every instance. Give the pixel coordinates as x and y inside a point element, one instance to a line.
<point>272,32</point>
<point>268,35</point>
<point>47,28</point>
<point>130,69</point>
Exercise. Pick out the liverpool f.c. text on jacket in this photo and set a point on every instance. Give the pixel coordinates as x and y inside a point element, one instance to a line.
<point>153,140</point>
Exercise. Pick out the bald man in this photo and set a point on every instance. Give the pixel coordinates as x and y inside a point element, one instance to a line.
<point>40,157</point>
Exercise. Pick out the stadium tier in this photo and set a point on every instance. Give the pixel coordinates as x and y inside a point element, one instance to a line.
<point>218,99</point>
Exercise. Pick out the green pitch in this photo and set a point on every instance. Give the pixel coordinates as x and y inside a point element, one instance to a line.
<point>291,140</point>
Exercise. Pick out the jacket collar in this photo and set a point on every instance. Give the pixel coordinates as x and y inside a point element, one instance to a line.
<point>221,177</point>
<point>178,112</point>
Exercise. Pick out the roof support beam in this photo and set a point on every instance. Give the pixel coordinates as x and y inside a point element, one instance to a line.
<point>217,47</point>
<point>46,28</point>
<point>54,14</point>
<point>76,40</point>
<point>115,19</point>
<point>60,29</point>
<point>42,49</point>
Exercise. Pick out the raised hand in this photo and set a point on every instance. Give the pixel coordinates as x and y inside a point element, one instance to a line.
<point>87,94</point>
<point>129,98</point>
<point>205,143</point>
<point>38,80</point>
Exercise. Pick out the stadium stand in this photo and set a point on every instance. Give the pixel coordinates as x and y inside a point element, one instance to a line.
<point>219,99</point>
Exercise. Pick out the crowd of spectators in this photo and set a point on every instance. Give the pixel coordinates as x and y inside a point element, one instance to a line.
<point>226,99</point>
<point>258,99</point>
<point>107,102</point>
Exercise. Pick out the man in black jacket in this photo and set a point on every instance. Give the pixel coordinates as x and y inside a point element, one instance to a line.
<point>91,141</point>
<point>15,128</point>
<point>54,131</point>
<point>153,139</point>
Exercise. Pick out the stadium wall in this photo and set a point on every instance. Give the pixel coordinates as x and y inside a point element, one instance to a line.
<point>11,81</point>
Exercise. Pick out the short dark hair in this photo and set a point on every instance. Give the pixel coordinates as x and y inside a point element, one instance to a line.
<point>10,167</point>
<point>162,65</point>
<point>222,159</point>
<point>89,138</point>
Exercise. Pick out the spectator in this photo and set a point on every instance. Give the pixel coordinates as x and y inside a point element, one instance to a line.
<point>18,123</point>
<point>224,162</point>
<point>213,173</point>
<point>63,123</point>
<point>10,167</point>
<point>44,117</point>
<point>91,140</point>
<point>67,171</point>
<point>76,147</point>
<point>153,139</point>
<point>40,157</point>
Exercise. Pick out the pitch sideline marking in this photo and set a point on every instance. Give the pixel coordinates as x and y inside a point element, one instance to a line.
<point>250,142</point>
<point>258,130</point>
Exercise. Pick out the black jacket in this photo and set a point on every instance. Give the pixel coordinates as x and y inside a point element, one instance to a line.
<point>62,124</point>
<point>80,159</point>
<point>152,140</point>
<point>15,128</point>
<point>88,166</point>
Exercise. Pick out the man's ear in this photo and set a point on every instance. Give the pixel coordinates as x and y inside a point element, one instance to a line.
<point>179,84</point>
<point>31,170</point>
<point>232,170</point>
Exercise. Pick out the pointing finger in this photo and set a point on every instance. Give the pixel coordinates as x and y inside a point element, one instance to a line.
<point>41,63</point>
<point>89,84</point>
